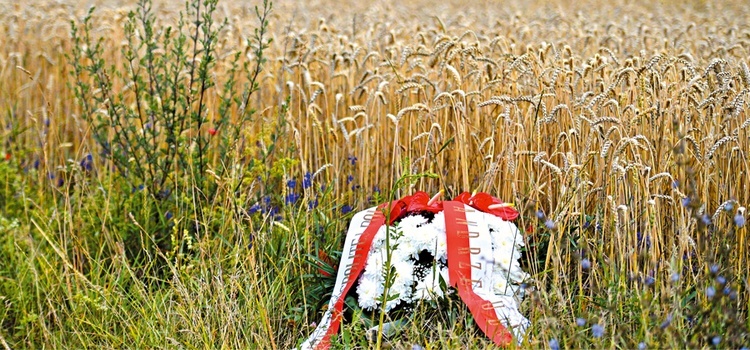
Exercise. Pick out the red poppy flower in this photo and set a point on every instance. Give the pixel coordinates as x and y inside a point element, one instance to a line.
<point>212,131</point>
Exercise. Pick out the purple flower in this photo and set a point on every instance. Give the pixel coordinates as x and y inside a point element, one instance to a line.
<point>352,160</point>
<point>376,189</point>
<point>706,220</point>
<point>87,162</point>
<point>714,269</point>
<point>667,322</point>
<point>168,215</point>
<point>597,330</point>
<point>307,180</point>
<point>346,209</point>
<point>539,214</point>
<point>716,340</point>
<point>585,264</point>
<point>554,344</point>
<point>550,224</point>
<point>710,292</point>
<point>254,209</point>
<point>312,204</point>
<point>291,198</point>
<point>291,183</point>
<point>649,280</point>
<point>721,280</point>
<point>580,322</point>
<point>641,346</point>
<point>349,179</point>
<point>685,201</point>
<point>739,220</point>
<point>675,276</point>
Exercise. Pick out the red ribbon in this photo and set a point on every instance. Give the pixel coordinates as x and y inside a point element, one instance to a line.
<point>481,201</point>
<point>459,274</point>
<point>459,259</point>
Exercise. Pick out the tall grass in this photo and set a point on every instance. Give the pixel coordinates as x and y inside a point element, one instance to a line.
<point>620,130</point>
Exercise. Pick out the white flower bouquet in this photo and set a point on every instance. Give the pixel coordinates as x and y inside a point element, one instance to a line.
<point>426,249</point>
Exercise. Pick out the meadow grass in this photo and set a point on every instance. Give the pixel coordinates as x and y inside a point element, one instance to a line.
<point>619,130</point>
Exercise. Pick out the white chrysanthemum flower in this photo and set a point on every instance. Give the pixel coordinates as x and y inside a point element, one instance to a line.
<point>429,287</point>
<point>412,222</point>
<point>369,291</point>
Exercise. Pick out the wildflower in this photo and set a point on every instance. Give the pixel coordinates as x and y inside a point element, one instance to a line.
<point>376,189</point>
<point>86,162</point>
<point>597,330</point>
<point>7,155</point>
<point>346,209</point>
<point>649,280</point>
<point>675,184</point>
<point>291,183</point>
<point>667,322</point>
<point>267,200</point>
<point>706,220</point>
<point>212,131</point>
<point>586,264</point>
<point>721,280</point>
<point>710,292</point>
<point>714,269</point>
<point>414,346</point>
<point>554,344</point>
<point>352,160</point>
<point>349,179</point>
<point>312,204</point>
<point>675,276</point>
<point>254,209</point>
<point>539,214</point>
<point>727,291</point>
<point>580,322</point>
<point>307,180</point>
<point>550,224</point>
<point>739,220</point>
<point>641,346</point>
<point>168,215</point>
<point>291,198</point>
<point>685,201</point>
<point>729,207</point>
<point>716,340</point>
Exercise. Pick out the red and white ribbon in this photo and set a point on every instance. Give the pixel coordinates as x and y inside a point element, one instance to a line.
<point>470,261</point>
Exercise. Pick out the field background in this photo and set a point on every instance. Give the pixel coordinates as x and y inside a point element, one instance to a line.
<point>619,130</point>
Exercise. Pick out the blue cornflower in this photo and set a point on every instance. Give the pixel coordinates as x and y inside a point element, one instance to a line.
<point>727,290</point>
<point>414,346</point>
<point>580,322</point>
<point>714,268</point>
<point>539,214</point>
<point>641,346</point>
<point>312,204</point>
<point>706,219</point>
<point>267,200</point>
<point>649,280</point>
<point>675,184</point>
<point>721,280</point>
<point>87,162</point>
<point>168,215</point>
<point>291,198</point>
<point>675,276</point>
<point>554,344</point>
<point>36,164</point>
<point>729,207</point>
<point>307,180</point>
<point>716,340</point>
<point>291,183</point>
<point>585,264</point>
<point>346,209</point>
<point>739,220</point>
<point>685,201</point>
<point>710,291</point>
<point>254,209</point>
<point>375,189</point>
<point>352,160</point>
<point>667,322</point>
<point>349,179</point>
<point>597,330</point>
<point>550,224</point>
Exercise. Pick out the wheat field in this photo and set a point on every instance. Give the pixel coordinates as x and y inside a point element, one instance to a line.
<point>620,131</point>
